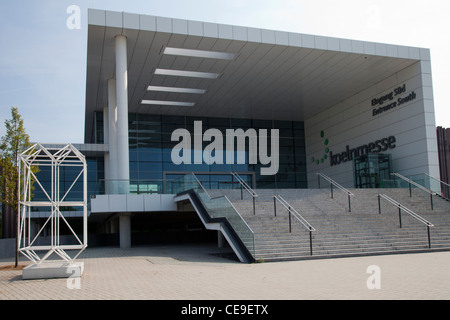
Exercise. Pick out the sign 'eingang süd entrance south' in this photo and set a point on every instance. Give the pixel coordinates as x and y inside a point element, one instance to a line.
<point>388,98</point>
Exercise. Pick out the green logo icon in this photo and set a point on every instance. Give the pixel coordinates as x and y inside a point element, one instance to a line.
<point>326,141</point>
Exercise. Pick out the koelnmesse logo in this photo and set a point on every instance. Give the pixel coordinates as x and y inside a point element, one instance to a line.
<point>324,156</point>
<point>349,153</point>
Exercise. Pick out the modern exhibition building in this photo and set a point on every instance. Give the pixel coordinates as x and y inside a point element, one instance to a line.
<point>178,110</point>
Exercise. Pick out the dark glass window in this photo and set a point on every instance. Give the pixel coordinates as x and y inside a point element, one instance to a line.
<point>151,148</point>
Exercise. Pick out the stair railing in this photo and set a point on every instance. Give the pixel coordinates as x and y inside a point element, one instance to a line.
<point>298,216</point>
<point>247,188</point>
<point>337,185</point>
<point>408,211</point>
<point>221,207</point>
<point>445,187</point>
<point>413,183</point>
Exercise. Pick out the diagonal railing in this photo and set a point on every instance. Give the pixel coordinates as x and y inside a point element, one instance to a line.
<point>408,211</point>
<point>413,183</point>
<point>245,186</point>
<point>218,208</point>
<point>440,187</point>
<point>337,185</point>
<point>298,216</point>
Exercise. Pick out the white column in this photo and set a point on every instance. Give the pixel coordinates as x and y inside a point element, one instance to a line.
<point>111,185</point>
<point>106,141</point>
<point>114,224</point>
<point>220,239</point>
<point>125,230</point>
<point>123,164</point>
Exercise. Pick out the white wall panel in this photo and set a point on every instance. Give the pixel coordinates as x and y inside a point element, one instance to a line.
<point>295,39</point>
<point>147,23</point>
<point>180,26</point>
<point>116,203</point>
<point>135,203</point>
<point>351,122</point>
<point>211,30</point>
<point>114,19</point>
<point>392,50</point>
<point>195,28</point>
<point>97,17</point>
<point>131,21</point>
<point>308,41</point>
<point>321,42</point>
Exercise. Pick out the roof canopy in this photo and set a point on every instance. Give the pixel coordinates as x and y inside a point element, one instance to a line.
<point>246,72</point>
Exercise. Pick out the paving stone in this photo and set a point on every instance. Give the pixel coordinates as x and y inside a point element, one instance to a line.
<point>190,272</point>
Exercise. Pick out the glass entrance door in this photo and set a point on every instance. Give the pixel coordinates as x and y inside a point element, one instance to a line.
<point>371,170</point>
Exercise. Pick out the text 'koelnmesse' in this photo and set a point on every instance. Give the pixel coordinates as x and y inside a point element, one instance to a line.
<point>373,147</point>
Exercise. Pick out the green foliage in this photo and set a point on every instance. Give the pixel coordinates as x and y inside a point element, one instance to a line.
<point>12,144</point>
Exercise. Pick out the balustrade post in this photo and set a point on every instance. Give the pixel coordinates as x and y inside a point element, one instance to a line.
<point>379,204</point>
<point>349,204</point>
<point>290,227</point>
<point>275,206</point>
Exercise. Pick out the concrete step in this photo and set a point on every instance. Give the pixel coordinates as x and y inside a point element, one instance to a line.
<point>338,231</point>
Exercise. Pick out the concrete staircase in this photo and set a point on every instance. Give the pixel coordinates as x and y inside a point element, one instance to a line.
<point>363,231</point>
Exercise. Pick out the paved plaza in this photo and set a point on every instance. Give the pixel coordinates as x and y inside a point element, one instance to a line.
<point>197,272</point>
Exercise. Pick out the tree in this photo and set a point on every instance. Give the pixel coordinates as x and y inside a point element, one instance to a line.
<point>12,144</point>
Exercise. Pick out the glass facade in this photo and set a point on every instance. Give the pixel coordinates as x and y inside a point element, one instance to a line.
<point>95,167</point>
<point>372,170</point>
<point>152,169</point>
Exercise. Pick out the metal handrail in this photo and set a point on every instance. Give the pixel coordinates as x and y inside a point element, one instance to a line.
<point>443,194</point>
<point>201,185</point>
<point>440,181</point>
<point>407,210</point>
<point>251,230</point>
<point>411,182</point>
<point>332,182</point>
<point>245,186</point>
<point>297,215</point>
<point>211,198</point>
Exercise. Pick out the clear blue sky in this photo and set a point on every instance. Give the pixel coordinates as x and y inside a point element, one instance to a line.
<point>43,63</point>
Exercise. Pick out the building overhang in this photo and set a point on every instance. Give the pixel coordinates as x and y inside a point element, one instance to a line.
<point>252,73</point>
